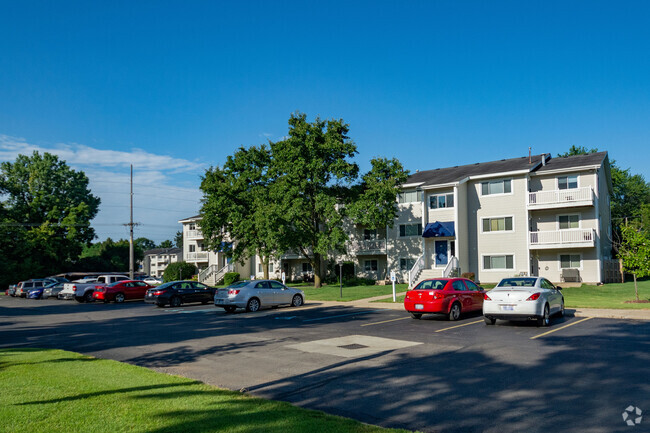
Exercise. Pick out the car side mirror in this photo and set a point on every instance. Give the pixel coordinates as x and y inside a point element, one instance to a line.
<point>558,288</point>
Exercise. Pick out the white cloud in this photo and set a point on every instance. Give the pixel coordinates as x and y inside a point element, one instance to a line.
<point>166,189</point>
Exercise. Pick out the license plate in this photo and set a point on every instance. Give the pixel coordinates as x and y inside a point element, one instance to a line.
<point>507,307</point>
<point>219,301</point>
<point>419,307</point>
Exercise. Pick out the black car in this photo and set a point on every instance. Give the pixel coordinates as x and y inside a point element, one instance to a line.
<point>176,293</point>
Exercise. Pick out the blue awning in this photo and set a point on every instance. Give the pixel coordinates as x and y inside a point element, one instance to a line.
<point>439,229</point>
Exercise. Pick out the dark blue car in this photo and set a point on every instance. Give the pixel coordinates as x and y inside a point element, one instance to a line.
<point>37,293</point>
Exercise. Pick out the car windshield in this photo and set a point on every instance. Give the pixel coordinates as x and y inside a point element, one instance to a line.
<point>431,285</point>
<point>166,285</point>
<point>514,282</point>
<point>237,284</point>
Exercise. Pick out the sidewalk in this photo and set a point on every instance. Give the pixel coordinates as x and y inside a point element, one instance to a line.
<point>577,312</point>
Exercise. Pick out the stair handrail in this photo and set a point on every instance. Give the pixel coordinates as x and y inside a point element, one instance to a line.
<point>417,267</point>
<point>452,266</point>
<point>221,272</point>
<point>205,273</point>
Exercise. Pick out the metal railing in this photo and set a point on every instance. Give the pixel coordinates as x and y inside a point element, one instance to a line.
<point>561,196</point>
<point>451,268</point>
<point>194,234</point>
<point>562,237</point>
<point>197,256</point>
<point>415,270</point>
<point>205,274</point>
<point>368,245</point>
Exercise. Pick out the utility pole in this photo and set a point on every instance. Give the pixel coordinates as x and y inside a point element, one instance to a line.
<point>131,224</point>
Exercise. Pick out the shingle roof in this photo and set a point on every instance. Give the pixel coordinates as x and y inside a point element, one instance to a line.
<point>195,217</point>
<point>454,174</point>
<point>575,161</point>
<point>156,251</point>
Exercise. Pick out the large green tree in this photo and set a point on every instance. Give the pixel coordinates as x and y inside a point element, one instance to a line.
<point>46,209</point>
<point>108,256</point>
<point>635,253</point>
<point>296,193</point>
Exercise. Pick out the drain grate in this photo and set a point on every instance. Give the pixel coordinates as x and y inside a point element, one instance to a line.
<point>353,346</point>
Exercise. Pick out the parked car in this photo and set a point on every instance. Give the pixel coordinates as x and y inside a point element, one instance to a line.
<point>254,294</point>
<point>176,293</point>
<point>11,291</point>
<point>37,293</point>
<point>52,291</point>
<point>153,281</point>
<point>121,291</point>
<point>448,296</point>
<point>83,292</point>
<point>24,287</point>
<point>523,298</point>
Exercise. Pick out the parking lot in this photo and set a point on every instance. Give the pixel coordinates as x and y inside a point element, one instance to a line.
<point>376,365</point>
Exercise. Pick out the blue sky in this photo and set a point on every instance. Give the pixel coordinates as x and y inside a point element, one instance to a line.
<point>174,87</point>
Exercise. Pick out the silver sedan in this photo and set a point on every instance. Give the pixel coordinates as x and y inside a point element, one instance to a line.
<point>523,298</point>
<point>254,294</point>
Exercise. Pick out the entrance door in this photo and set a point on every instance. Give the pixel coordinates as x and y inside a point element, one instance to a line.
<point>441,253</point>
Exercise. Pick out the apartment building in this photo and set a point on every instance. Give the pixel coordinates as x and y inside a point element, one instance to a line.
<point>156,260</point>
<point>534,215</point>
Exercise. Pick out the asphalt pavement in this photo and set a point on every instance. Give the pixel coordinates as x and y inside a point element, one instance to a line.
<point>371,363</point>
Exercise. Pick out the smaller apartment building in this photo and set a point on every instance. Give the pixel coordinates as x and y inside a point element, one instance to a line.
<point>156,260</point>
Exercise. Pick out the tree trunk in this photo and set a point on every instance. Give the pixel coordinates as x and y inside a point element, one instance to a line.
<point>636,289</point>
<point>265,266</point>
<point>316,266</point>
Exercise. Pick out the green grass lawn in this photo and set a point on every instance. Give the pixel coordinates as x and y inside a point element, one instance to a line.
<point>58,391</point>
<point>607,295</point>
<point>332,292</point>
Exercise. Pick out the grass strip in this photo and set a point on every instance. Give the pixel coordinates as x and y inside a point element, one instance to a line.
<point>47,390</point>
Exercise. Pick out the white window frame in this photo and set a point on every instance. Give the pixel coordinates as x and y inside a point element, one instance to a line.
<point>559,261</point>
<point>497,231</point>
<point>191,248</point>
<point>557,181</point>
<point>446,195</point>
<point>418,196</point>
<point>512,184</point>
<point>557,220</point>
<point>399,261</point>
<point>514,262</point>
<point>399,230</point>
<point>369,261</point>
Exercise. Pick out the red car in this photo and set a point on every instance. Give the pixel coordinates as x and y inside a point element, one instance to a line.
<point>449,296</point>
<point>121,291</point>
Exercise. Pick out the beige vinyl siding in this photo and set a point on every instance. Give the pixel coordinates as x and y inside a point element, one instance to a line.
<point>403,247</point>
<point>462,229</point>
<point>549,264</point>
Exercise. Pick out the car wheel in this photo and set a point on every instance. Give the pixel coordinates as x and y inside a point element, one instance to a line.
<point>230,309</point>
<point>561,313</point>
<point>175,301</point>
<point>79,299</point>
<point>253,305</point>
<point>416,315</point>
<point>489,320</point>
<point>88,297</point>
<point>119,298</point>
<point>454,313</point>
<point>296,301</point>
<point>545,319</point>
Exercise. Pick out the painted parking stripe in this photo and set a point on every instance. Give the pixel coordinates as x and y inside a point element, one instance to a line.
<point>458,326</point>
<point>341,315</point>
<point>386,321</point>
<point>560,328</point>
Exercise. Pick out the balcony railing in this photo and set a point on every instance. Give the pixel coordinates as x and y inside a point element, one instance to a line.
<point>374,246</point>
<point>194,234</point>
<point>561,198</point>
<point>579,238</point>
<point>200,256</point>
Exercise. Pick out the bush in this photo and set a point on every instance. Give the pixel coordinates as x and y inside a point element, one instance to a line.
<point>230,277</point>
<point>359,282</point>
<point>469,276</point>
<point>179,271</point>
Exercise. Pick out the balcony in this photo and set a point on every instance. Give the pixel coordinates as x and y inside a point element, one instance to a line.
<point>293,254</point>
<point>368,247</point>
<point>194,234</point>
<point>200,256</point>
<point>574,238</point>
<point>561,198</point>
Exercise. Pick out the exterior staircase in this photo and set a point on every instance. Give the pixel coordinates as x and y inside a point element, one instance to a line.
<point>212,275</point>
<point>419,272</point>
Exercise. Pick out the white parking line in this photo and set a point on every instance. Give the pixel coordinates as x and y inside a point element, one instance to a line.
<point>560,328</point>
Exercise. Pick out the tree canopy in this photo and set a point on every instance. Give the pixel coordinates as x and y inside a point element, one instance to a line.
<point>109,256</point>
<point>179,271</point>
<point>294,194</point>
<point>635,253</point>
<point>45,213</point>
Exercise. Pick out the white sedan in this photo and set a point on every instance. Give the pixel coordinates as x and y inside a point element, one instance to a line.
<point>523,298</point>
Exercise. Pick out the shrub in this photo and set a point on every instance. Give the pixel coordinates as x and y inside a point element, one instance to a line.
<point>358,282</point>
<point>230,277</point>
<point>179,271</point>
<point>469,276</point>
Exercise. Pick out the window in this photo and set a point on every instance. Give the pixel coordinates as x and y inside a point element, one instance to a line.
<point>262,285</point>
<point>369,234</point>
<point>192,226</point>
<point>409,196</point>
<point>497,224</point>
<point>192,248</point>
<point>458,285</point>
<point>471,286</point>
<point>499,262</point>
<point>410,230</point>
<point>569,261</point>
<point>546,284</point>
<point>270,267</point>
<point>496,187</point>
<point>567,182</point>
<point>370,265</point>
<point>441,201</point>
<point>569,222</point>
<point>259,267</point>
<point>405,264</point>
<point>306,267</point>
